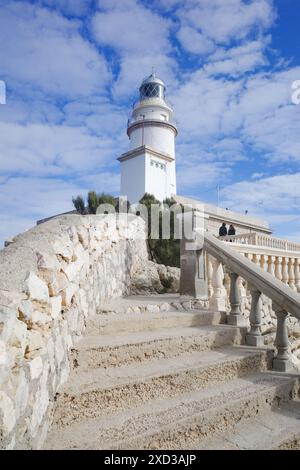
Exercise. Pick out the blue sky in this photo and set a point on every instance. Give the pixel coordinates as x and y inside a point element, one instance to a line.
<point>72,69</point>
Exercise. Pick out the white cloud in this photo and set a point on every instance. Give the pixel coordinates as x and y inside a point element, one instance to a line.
<point>223,21</point>
<point>194,41</point>
<point>134,68</point>
<point>275,199</point>
<point>235,64</point>
<point>201,103</point>
<point>42,51</point>
<point>38,149</point>
<point>129,27</point>
<point>30,199</point>
<point>192,178</point>
<point>140,39</point>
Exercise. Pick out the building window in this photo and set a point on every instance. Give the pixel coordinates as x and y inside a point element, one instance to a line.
<point>159,165</point>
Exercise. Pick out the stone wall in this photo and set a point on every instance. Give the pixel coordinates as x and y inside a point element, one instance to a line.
<point>51,279</point>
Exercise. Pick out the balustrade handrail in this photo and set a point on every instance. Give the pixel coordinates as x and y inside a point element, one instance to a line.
<point>283,296</point>
<point>262,240</point>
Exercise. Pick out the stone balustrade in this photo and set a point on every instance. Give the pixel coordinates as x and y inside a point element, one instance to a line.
<point>231,272</point>
<point>279,258</point>
<point>259,239</point>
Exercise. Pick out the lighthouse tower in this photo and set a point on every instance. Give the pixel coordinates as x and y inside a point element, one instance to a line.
<point>149,165</point>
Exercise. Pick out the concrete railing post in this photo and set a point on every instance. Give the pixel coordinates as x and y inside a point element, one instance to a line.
<point>254,337</point>
<point>235,317</point>
<point>281,360</point>
<point>218,299</point>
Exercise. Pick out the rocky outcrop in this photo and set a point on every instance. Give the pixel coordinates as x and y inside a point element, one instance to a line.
<point>152,278</point>
<point>52,278</point>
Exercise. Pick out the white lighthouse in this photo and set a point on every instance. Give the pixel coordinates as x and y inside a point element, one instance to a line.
<point>149,165</point>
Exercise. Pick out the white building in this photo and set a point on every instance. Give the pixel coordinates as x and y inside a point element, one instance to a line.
<point>149,165</point>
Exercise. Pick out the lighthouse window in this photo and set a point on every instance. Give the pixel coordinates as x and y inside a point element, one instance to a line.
<point>162,166</point>
<point>151,90</point>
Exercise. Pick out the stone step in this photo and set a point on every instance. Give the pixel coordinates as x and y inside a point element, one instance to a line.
<point>111,323</point>
<point>278,428</point>
<point>117,350</point>
<point>149,303</point>
<point>95,392</point>
<point>181,421</point>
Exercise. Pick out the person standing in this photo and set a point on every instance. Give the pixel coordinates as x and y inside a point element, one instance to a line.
<point>231,230</point>
<point>223,230</point>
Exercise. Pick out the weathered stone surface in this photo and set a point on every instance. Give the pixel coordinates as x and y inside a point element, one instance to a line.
<point>8,319</point>
<point>7,410</point>
<point>36,288</point>
<point>55,306</point>
<point>155,278</point>
<point>26,309</point>
<point>35,341</point>
<point>35,367</point>
<point>51,279</point>
<point>68,293</point>
<point>18,338</point>
<point>57,283</point>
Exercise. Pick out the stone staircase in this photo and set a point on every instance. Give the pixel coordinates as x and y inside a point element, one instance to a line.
<point>153,373</point>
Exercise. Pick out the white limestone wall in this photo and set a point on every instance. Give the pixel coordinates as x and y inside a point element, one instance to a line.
<point>51,279</point>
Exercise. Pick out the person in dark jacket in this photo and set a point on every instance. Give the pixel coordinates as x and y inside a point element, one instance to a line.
<point>231,230</point>
<point>223,230</point>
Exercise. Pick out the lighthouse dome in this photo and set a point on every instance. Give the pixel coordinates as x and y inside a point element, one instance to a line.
<point>152,87</point>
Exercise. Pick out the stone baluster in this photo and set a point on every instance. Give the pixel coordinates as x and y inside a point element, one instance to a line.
<point>209,275</point>
<point>271,265</point>
<point>218,299</point>
<point>227,284</point>
<point>285,273</point>
<point>281,360</point>
<point>257,260</point>
<point>291,272</point>
<point>254,337</point>
<point>278,268</point>
<point>264,262</point>
<point>235,317</point>
<point>297,275</point>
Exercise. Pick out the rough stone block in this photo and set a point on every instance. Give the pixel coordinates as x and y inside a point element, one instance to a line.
<point>8,319</point>
<point>55,306</point>
<point>7,411</point>
<point>58,283</point>
<point>62,247</point>
<point>35,367</point>
<point>26,310</point>
<point>47,262</point>
<point>22,393</point>
<point>68,293</point>
<point>35,341</point>
<point>35,288</point>
<point>18,338</point>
